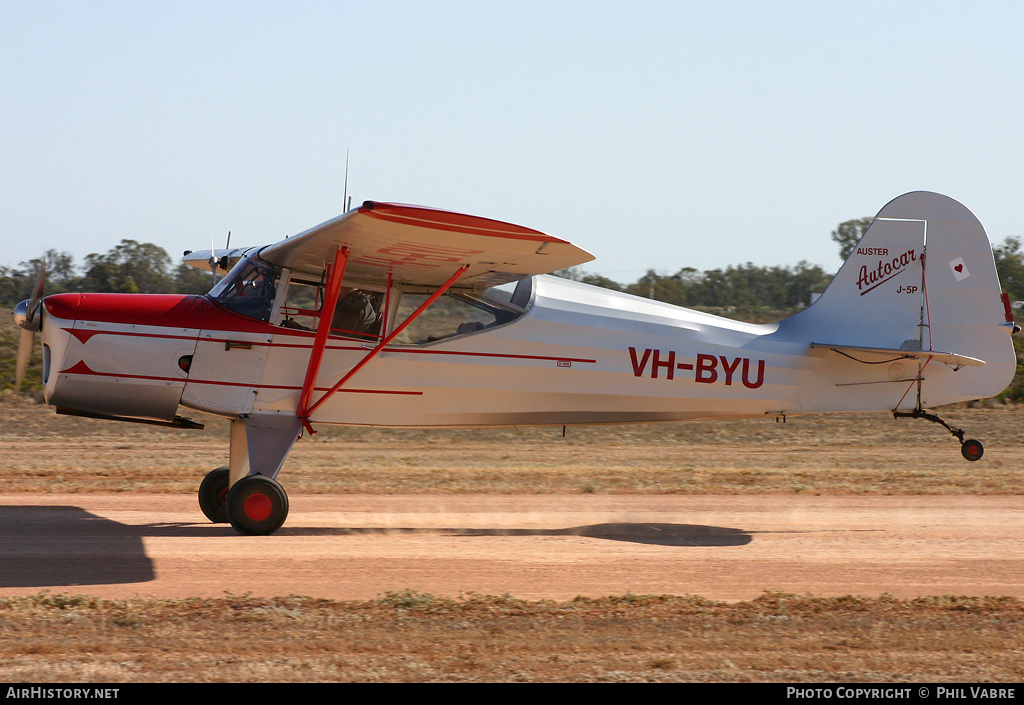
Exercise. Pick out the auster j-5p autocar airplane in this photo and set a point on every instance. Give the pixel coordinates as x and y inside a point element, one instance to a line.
<point>396,315</point>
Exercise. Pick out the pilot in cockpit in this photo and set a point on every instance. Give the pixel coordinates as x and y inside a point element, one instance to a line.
<point>250,292</point>
<point>358,312</point>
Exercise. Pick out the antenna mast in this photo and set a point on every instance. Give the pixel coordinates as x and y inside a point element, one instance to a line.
<point>345,202</point>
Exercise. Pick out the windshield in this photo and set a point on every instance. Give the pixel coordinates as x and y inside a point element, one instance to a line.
<point>249,289</point>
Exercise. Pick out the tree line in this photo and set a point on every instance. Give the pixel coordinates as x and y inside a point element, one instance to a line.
<point>134,267</point>
<point>131,267</point>
<point>753,292</point>
<point>143,267</point>
<point>743,290</point>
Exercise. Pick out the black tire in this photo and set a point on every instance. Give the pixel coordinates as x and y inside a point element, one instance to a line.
<point>257,505</point>
<point>972,449</point>
<point>213,493</point>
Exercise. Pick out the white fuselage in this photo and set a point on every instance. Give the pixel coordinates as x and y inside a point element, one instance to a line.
<point>579,354</point>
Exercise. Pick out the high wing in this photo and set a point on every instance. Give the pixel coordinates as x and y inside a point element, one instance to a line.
<point>424,246</point>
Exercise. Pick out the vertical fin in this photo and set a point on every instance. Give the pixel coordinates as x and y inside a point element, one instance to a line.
<point>875,300</point>
<point>922,277</point>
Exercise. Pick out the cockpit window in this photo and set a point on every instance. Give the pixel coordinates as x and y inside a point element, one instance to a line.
<point>249,289</point>
<point>455,314</point>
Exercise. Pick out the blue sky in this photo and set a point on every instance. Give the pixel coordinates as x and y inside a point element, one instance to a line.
<point>656,135</point>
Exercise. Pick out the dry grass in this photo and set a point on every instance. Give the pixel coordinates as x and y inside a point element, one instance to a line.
<point>411,637</point>
<point>848,454</point>
<point>414,637</point>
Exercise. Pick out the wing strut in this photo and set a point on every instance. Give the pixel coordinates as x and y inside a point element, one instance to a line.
<point>305,414</point>
<point>334,276</point>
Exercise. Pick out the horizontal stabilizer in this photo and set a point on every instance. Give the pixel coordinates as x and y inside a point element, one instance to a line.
<point>946,358</point>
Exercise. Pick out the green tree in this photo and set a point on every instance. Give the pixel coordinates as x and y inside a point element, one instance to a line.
<point>131,267</point>
<point>659,287</point>
<point>1010,266</point>
<point>578,275</point>
<point>16,284</point>
<point>807,279</point>
<point>848,234</point>
<point>190,280</point>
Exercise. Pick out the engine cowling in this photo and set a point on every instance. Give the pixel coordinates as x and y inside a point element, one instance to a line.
<point>119,355</point>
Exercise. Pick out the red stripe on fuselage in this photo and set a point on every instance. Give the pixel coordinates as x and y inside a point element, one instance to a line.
<point>85,335</point>
<point>511,356</point>
<point>81,368</point>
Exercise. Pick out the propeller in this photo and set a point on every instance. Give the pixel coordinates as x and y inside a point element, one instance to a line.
<point>28,315</point>
<point>222,262</point>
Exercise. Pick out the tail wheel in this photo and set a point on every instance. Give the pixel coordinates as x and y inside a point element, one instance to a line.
<point>257,505</point>
<point>972,449</point>
<point>213,493</point>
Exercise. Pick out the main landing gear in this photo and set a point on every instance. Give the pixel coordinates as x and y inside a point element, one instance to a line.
<point>971,449</point>
<point>256,504</point>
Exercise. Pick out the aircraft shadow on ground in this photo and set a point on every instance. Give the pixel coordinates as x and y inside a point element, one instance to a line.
<point>68,546</point>
<point>657,534</point>
<point>62,545</point>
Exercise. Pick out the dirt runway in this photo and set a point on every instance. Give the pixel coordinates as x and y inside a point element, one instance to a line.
<point>533,547</point>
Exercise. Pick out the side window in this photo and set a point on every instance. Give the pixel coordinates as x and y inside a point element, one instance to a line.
<point>450,315</point>
<point>358,313</point>
<point>302,304</point>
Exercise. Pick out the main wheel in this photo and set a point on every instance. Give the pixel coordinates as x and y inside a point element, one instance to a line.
<point>212,493</point>
<point>972,449</point>
<point>257,505</point>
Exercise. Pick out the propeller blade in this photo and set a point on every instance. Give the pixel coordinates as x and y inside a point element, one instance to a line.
<point>37,292</point>
<point>24,354</point>
<point>28,336</point>
<point>213,259</point>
